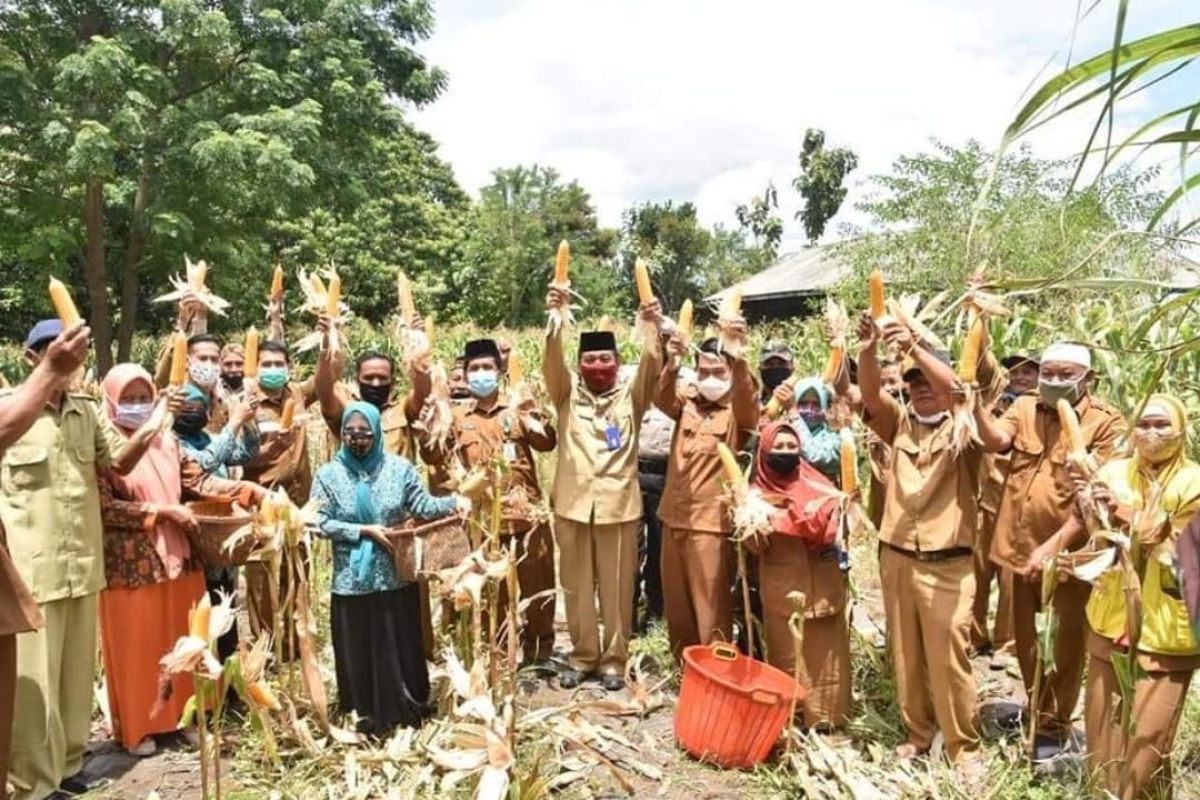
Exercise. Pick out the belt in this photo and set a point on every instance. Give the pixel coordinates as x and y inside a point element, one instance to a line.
<point>652,466</point>
<point>930,556</point>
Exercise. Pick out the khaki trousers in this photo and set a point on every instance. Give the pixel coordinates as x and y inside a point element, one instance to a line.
<point>8,688</point>
<point>53,713</point>
<point>261,609</point>
<point>928,608</point>
<point>598,561</point>
<point>985,570</point>
<point>1060,688</point>
<point>826,652</point>
<point>1157,708</point>
<point>697,581</point>
<point>535,574</point>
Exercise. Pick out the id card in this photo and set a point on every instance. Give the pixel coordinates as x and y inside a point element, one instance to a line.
<point>510,452</point>
<point>612,436</point>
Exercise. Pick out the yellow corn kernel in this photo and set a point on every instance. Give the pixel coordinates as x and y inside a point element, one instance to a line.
<point>262,696</point>
<point>199,617</point>
<point>562,265</point>
<point>968,361</point>
<point>334,298</point>
<point>179,360</point>
<point>849,461</point>
<point>318,285</point>
<point>684,325</point>
<point>288,415</point>
<point>733,471</point>
<point>731,304</point>
<point>251,358</point>
<point>277,283</point>
<point>833,366</point>
<point>641,276</point>
<point>1076,445</point>
<point>516,370</point>
<point>64,306</point>
<point>408,308</point>
<point>200,275</point>
<point>878,304</point>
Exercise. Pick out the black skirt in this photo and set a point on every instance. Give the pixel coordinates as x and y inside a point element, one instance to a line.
<point>380,658</point>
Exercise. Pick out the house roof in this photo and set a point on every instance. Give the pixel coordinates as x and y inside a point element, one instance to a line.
<point>810,271</point>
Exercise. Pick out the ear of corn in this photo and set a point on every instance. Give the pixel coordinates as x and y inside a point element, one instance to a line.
<point>288,415</point>
<point>833,366</point>
<point>605,324</point>
<point>968,362</point>
<point>562,265</point>
<point>334,299</point>
<point>277,283</point>
<point>733,471</point>
<point>430,321</point>
<point>199,617</point>
<point>684,323</point>
<point>262,696</point>
<point>408,308</point>
<point>318,285</point>
<point>774,407</point>
<point>1076,445</point>
<point>64,306</point>
<point>516,369</point>
<point>266,511</point>
<point>179,359</point>
<point>200,275</point>
<point>251,368</point>
<point>641,276</point>
<point>878,304</point>
<point>848,455</point>
<point>731,304</point>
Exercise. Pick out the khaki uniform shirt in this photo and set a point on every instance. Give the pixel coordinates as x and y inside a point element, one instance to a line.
<point>282,458</point>
<point>397,437</point>
<point>593,483</point>
<point>1038,495</point>
<point>694,495</point>
<point>50,499</point>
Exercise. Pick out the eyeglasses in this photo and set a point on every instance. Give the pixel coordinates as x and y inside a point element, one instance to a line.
<point>358,436</point>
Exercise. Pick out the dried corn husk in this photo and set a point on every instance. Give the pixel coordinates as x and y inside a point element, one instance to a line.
<point>194,281</point>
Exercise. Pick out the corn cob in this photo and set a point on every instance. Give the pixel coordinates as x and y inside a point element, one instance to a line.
<point>262,696</point>
<point>516,370</point>
<point>605,324</point>
<point>878,305</point>
<point>332,303</point>
<point>64,306</point>
<point>251,358</point>
<point>408,309</point>
<point>266,511</point>
<point>731,304</point>
<point>968,361</point>
<point>199,617</point>
<point>733,471</point>
<point>684,325</point>
<point>277,283</point>
<point>318,285</point>
<point>199,275</point>
<point>641,276</point>
<point>1076,445</point>
<point>429,323</point>
<point>179,359</point>
<point>833,366</point>
<point>288,415</point>
<point>849,462</point>
<point>774,407</point>
<point>562,265</point>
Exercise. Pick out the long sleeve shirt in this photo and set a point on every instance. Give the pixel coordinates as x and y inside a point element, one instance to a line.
<point>397,493</point>
<point>225,450</point>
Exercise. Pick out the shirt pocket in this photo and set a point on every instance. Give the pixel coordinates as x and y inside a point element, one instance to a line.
<point>25,468</point>
<point>1027,451</point>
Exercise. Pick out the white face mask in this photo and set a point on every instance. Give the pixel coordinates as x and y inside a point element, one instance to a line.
<point>713,388</point>
<point>131,416</point>
<point>203,374</point>
<point>933,419</point>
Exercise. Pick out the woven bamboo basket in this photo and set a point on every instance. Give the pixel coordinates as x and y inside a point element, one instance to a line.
<point>220,520</point>
<point>429,547</point>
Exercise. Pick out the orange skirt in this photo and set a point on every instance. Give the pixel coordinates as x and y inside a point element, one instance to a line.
<point>137,628</point>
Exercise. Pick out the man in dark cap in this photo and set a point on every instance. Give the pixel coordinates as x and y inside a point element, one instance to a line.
<point>597,503</point>
<point>491,426</point>
<point>775,365</point>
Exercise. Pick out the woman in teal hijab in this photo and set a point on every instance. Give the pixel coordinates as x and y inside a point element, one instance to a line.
<point>821,443</point>
<point>375,616</point>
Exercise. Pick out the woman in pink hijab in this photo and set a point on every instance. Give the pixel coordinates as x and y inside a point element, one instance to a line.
<point>153,579</point>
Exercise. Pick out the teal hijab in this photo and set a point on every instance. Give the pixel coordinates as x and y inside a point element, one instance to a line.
<point>363,471</point>
<point>822,445</point>
<point>197,440</point>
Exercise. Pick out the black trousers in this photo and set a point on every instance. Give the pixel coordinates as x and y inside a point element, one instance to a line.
<point>650,547</point>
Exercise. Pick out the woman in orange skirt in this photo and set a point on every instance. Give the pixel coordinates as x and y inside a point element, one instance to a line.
<point>153,579</point>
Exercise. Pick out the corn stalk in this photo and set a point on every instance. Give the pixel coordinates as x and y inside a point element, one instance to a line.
<point>1046,622</point>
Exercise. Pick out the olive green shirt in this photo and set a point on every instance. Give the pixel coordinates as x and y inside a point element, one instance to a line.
<point>50,498</point>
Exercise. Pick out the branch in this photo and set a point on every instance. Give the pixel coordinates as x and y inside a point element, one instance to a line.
<point>241,58</point>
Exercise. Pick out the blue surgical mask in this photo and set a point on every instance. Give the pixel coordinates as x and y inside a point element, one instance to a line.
<point>273,378</point>
<point>483,383</point>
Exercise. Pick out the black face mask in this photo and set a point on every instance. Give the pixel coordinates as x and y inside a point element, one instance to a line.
<point>460,394</point>
<point>783,463</point>
<point>900,396</point>
<point>773,376</point>
<point>359,448</point>
<point>191,422</point>
<point>233,381</point>
<point>377,395</point>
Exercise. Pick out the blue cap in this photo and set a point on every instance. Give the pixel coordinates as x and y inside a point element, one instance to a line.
<point>44,332</point>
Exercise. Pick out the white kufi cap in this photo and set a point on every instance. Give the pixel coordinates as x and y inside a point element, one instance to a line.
<point>1068,353</point>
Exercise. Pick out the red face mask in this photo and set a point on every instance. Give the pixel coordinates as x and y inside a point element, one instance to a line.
<point>599,378</point>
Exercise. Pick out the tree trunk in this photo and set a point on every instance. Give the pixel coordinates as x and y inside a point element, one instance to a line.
<point>133,259</point>
<point>95,275</point>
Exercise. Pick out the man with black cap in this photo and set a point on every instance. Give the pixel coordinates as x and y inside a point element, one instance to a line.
<point>491,426</point>
<point>929,526</point>
<point>50,508</point>
<point>696,555</point>
<point>597,504</point>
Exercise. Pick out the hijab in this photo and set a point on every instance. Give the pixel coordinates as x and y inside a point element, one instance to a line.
<point>200,439</point>
<point>811,499</point>
<point>821,444</point>
<point>363,472</point>
<point>156,477</point>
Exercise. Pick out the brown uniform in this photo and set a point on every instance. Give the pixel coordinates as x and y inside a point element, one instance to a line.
<point>479,437</point>
<point>1038,500</point>
<point>397,435</point>
<point>597,503</point>
<point>697,572</point>
<point>995,469</point>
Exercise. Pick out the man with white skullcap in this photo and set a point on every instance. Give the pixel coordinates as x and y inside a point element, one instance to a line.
<point>1036,516</point>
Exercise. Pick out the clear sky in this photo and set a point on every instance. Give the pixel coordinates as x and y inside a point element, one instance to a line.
<point>707,100</point>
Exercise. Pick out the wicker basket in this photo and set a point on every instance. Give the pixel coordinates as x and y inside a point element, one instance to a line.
<point>219,521</point>
<point>442,543</point>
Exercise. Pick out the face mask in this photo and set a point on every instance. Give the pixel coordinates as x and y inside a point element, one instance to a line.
<point>813,418</point>
<point>190,422</point>
<point>1155,445</point>
<point>1053,391</point>
<point>233,381</point>
<point>360,448</point>
<point>713,388</point>
<point>203,374</point>
<point>273,378</point>
<point>783,463</point>
<point>773,376</point>
<point>899,395</point>
<point>483,383</point>
<point>932,420</point>
<point>599,378</point>
<point>377,395</point>
<point>131,416</point>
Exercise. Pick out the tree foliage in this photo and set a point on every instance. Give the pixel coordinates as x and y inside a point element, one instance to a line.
<point>821,181</point>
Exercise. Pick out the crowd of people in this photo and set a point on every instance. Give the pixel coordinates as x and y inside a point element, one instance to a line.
<point>94,495</point>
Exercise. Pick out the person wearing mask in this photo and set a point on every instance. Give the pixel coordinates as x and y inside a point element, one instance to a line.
<point>597,505</point>
<point>1022,378</point>
<point>800,555</point>
<point>1036,515</point>
<point>697,568</point>
<point>20,408</point>
<point>374,615</point>
<point>50,509</point>
<point>204,372</point>
<point>1157,482</point>
<point>775,365</point>
<point>233,367</point>
<point>821,443</point>
<point>929,526</point>
<point>153,578</point>
<point>490,427</point>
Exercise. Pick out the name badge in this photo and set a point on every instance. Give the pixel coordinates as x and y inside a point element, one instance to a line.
<point>612,436</point>
<point>510,452</point>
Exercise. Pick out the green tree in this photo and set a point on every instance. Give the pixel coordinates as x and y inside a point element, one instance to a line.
<point>136,132</point>
<point>820,182</point>
<point>675,246</point>
<point>758,220</point>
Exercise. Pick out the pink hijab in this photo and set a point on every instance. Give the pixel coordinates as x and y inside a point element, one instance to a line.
<point>155,478</point>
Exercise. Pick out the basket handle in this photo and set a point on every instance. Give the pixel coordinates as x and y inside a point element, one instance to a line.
<point>765,696</point>
<point>724,652</point>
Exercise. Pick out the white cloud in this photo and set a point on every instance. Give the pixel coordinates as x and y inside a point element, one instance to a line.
<point>703,100</point>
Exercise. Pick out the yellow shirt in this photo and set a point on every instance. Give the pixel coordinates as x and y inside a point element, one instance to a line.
<point>50,499</point>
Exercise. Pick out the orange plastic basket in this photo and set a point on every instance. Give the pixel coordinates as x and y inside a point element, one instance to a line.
<point>732,709</point>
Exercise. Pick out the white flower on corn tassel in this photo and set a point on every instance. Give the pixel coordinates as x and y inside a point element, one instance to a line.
<point>206,624</point>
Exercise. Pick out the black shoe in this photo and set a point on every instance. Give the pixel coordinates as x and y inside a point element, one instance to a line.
<point>540,669</point>
<point>82,784</point>
<point>1047,748</point>
<point>612,682</point>
<point>570,678</point>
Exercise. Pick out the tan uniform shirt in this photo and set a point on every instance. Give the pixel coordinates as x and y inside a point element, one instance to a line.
<point>1038,495</point>
<point>282,458</point>
<point>694,495</point>
<point>397,437</point>
<point>593,483</point>
<point>50,499</point>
